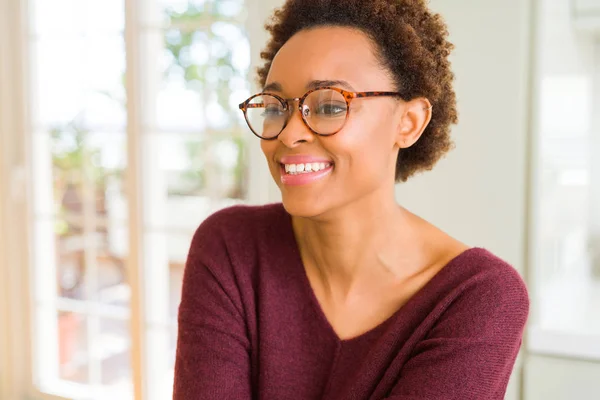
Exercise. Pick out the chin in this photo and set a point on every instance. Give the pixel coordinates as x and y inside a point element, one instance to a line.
<point>304,208</point>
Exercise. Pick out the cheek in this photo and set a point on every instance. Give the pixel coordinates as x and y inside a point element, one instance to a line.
<point>268,148</point>
<point>264,146</point>
<point>367,148</point>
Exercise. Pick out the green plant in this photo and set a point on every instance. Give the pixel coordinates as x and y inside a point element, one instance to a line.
<point>179,43</point>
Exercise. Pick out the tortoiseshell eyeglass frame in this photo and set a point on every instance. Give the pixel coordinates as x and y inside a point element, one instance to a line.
<point>348,96</point>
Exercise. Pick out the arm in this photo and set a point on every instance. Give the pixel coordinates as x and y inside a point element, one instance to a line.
<point>212,360</point>
<point>470,352</point>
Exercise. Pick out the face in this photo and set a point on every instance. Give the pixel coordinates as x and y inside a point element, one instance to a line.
<point>356,166</point>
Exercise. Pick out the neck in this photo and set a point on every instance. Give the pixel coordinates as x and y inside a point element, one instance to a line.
<point>356,245</point>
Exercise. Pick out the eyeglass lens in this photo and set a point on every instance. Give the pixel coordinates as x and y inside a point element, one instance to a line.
<point>323,110</point>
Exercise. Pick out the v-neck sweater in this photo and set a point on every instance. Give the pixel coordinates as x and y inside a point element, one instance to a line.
<point>251,327</point>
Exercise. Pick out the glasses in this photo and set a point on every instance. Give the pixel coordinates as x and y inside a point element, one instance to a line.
<point>324,111</point>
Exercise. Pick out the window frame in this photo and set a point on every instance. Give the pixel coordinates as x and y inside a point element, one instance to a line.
<point>15,358</point>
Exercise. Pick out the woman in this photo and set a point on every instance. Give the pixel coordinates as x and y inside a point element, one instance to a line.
<point>338,292</point>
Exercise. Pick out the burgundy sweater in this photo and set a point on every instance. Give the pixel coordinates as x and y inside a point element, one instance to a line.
<point>250,326</point>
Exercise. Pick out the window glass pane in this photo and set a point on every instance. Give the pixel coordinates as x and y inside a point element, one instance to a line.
<point>566,250</point>
<point>112,350</point>
<point>59,86</point>
<point>190,176</point>
<point>184,7</point>
<point>165,256</point>
<point>93,357</point>
<point>161,361</point>
<point>74,265</point>
<point>73,349</point>
<point>203,78</point>
<point>79,160</point>
<point>79,80</point>
<point>105,16</point>
<point>229,8</point>
<point>62,351</point>
<point>72,17</point>
<point>64,17</point>
<point>91,210</point>
<point>194,150</point>
<point>88,170</point>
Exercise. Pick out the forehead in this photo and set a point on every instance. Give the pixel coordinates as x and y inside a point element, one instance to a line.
<point>328,53</point>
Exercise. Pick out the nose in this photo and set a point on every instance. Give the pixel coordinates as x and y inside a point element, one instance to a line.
<point>295,132</point>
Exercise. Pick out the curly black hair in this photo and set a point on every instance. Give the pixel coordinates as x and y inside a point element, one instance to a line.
<point>411,42</point>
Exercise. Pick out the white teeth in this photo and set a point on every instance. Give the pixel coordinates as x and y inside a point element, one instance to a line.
<point>305,168</point>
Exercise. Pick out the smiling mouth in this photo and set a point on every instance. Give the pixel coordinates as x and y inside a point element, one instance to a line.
<point>306,168</point>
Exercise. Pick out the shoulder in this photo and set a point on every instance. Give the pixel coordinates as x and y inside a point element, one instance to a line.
<point>482,269</point>
<point>242,214</point>
<point>475,270</point>
<point>236,225</point>
<point>483,287</point>
<point>227,243</point>
<point>240,219</point>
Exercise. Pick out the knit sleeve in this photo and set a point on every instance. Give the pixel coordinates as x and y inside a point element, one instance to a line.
<point>212,358</point>
<point>471,351</point>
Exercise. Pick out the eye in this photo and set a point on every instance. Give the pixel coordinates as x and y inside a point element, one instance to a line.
<point>272,111</point>
<point>331,109</point>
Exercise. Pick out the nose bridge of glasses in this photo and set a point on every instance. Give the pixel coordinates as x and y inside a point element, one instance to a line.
<point>291,107</point>
<point>299,135</point>
<point>290,103</point>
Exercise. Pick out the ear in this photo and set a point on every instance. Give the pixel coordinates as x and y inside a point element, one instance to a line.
<point>415,117</point>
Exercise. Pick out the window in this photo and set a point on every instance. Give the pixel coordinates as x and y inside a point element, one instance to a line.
<point>135,134</point>
<point>565,247</point>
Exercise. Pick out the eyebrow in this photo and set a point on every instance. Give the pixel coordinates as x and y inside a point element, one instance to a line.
<point>318,84</point>
<point>276,86</point>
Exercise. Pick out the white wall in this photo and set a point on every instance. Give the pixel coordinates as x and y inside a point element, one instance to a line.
<point>478,193</point>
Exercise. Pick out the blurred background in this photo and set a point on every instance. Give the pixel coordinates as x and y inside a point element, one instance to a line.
<point>120,133</point>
